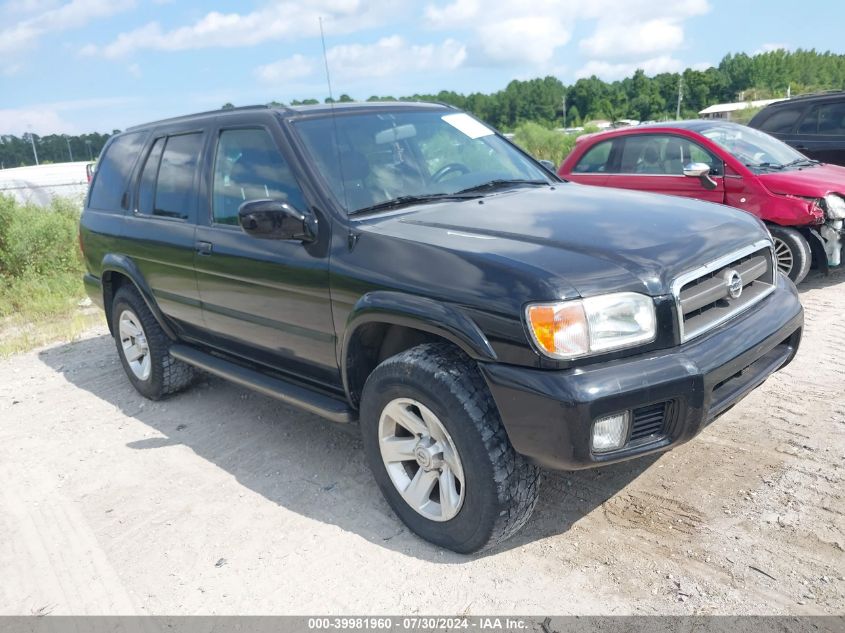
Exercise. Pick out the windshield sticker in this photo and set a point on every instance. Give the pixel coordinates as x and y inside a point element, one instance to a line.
<point>466,124</point>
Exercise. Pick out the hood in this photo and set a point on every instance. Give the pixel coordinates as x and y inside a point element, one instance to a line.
<point>807,182</point>
<point>592,240</point>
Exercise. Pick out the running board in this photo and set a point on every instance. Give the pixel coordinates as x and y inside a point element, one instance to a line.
<point>312,401</point>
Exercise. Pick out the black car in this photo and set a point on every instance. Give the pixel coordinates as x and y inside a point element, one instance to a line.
<point>405,267</point>
<point>812,124</point>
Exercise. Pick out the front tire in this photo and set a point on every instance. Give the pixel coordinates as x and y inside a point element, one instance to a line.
<point>144,348</point>
<point>439,451</point>
<point>793,254</point>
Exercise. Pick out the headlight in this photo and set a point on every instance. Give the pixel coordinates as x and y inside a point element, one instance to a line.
<point>835,206</point>
<point>569,329</point>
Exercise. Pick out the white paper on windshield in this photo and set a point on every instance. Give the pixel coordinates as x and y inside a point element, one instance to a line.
<point>466,124</point>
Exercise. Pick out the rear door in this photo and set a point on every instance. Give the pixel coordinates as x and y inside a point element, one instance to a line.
<point>655,162</point>
<point>593,166</point>
<point>162,223</point>
<point>821,133</point>
<point>263,299</point>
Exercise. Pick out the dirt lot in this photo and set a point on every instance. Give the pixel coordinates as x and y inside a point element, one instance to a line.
<point>222,501</point>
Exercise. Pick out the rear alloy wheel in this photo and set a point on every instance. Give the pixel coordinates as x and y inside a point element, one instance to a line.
<point>793,254</point>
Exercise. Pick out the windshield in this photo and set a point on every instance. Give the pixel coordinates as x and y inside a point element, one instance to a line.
<point>372,158</point>
<point>755,149</point>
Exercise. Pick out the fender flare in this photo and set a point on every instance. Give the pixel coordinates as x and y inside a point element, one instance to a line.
<point>420,313</point>
<point>124,265</point>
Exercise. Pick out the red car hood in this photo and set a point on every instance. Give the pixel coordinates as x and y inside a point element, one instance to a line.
<point>810,182</point>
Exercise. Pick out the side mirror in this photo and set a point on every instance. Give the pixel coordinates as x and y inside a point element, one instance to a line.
<point>548,165</point>
<point>275,220</point>
<point>702,172</point>
<point>696,170</point>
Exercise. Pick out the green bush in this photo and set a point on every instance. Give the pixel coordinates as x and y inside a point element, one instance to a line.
<point>40,263</point>
<point>545,144</point>
<point>39,241</point>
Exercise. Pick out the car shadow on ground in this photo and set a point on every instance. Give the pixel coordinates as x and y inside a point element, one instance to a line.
<point>815,280</point>
<point>301,462</point>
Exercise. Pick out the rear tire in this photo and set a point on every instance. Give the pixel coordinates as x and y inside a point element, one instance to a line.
<point>430,426</point>
<point>793,254</point>
<point>144,348</point>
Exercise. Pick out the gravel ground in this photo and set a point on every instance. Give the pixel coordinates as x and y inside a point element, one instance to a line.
<point>222,501</point>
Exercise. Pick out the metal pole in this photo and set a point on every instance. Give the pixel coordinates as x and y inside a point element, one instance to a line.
<point>564,109</point>
<point>34,151</point>
<point>680,97</point>
<point>69,151</point>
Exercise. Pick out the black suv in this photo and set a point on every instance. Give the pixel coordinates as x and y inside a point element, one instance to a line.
<point>812,124</point>
<point>404,266</point>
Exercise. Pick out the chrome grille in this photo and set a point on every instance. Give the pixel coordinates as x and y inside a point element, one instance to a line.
<point>712,294</point>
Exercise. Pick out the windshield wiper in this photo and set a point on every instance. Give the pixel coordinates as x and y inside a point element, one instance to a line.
<point>802,161</point>
<point>503,182</point>
<point>402,201</point>
<point>765,165</point>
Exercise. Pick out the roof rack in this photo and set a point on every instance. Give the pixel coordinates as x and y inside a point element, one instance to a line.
<point>206,113</point>
<point>820,93</point>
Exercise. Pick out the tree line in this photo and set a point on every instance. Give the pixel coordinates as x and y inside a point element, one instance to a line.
<point>738,77</point>
<point>54,148</point>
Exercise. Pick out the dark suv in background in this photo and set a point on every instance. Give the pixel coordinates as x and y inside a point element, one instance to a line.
<point>404,266</point>
<point>812,124</point>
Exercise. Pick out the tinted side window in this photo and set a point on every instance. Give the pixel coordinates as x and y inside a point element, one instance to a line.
<point>147,186</point>
<point>249,166</point>
<point>113,171</point>
<point>781,121</point>
<point>174,195</point>
<point>832,119</point>
<point>595,160</point>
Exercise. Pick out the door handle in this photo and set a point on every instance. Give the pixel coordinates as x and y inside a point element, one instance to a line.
<point>204,248</point>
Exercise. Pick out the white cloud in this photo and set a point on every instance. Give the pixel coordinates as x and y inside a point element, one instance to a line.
<point>288,19</point>
<point>47,118</point>
<point>51,19</point>
<point>616,40</point>
<point>294,67</point>
<point>391,55</point>
<point>383,58</point>
<point>531,32</point>
<point>511,33</point>
<point>134,70</point>
<point>610,71</point>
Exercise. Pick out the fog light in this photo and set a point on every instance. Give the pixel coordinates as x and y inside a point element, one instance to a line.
<point>610,432</point>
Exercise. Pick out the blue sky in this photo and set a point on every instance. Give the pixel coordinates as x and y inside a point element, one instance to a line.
<point>74,66</point>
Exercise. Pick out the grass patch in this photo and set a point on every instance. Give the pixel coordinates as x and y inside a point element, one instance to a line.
<point>41,271</point>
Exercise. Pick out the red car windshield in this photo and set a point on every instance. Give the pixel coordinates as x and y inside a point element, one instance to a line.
<point>755,149</point>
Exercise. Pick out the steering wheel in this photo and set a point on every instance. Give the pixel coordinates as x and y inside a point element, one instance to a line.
<point>444,171</point>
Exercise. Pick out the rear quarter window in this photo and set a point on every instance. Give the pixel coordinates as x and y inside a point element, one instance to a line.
<point>111,180</point>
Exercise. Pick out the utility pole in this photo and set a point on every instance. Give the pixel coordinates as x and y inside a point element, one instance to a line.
<point>90,155</point>
<point>564,108</point>
<point>32,140</point>
<point>69,151</point>
<point>680,97</point>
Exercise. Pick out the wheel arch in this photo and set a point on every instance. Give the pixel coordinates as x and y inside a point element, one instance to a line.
<point>120,270</point>
<point>385,323</point>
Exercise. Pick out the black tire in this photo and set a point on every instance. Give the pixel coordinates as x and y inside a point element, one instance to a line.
<point>792,251</point>
<point>166,374</point>
<point>501,486</point>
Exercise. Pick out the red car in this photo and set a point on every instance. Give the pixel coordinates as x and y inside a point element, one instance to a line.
<point>801,200</point>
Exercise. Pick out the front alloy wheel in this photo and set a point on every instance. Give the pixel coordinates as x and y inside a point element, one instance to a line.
<point>421,459</point>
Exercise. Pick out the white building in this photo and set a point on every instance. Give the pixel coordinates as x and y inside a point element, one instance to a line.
<point>723,110</point>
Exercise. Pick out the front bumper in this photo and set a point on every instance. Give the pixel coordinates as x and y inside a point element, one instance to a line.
<point>549,414</point>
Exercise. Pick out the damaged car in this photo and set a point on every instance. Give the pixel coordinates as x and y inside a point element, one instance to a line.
<point>800,199</point>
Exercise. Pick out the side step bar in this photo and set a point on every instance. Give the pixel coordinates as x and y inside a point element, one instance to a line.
<point>320,404</point>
